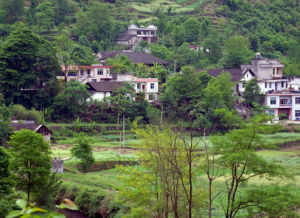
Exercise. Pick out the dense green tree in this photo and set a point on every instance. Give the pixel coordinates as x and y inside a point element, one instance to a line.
<point>12,10</point>
<point>83,41</point>
<point>95,47</point>
<point>121,101</point>
<point>72,101</point>
<point>238,52</point>
<point>214,50</point>
<point>81,55</point>
<point>27,68</point>
<point>192,29</point>
<point>216,95</point>
<point>64,46</point>
<point>5,115</point>
<point>31,161</point>
<point>121,64</point>
<point>182,91</point>
<point>6,182</point>
<point>252,93</point>
<point>62,10</point>
<point>82,150</point>
<point>239,157</point>
<point>179,35</point>
<point>96,22</point>
<point>45,15</point>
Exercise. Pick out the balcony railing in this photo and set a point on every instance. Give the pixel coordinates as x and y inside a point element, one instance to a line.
<point>286,104</point>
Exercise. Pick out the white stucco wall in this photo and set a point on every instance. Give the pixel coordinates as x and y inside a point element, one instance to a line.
<point>295,107</point>
<point>99,96</point>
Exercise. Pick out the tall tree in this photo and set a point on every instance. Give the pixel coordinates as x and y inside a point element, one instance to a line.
<point>13,10</point>
<point>238,52</point>
<point>72,101</point>
<point>64,46</point>
<point>27,64</point>
<point>192,28</point>
<point>252,93</point>
<point>45,15</point>
<point>5,125</point>
<point>239,158</point>
<point>31,161</point>
<point>83,151</point>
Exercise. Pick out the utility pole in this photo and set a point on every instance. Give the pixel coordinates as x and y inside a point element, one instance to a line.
<point>123,133</point>
<point>161,113</point>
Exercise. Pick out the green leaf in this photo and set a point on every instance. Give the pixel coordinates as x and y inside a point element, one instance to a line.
<point>21,203</point>
<point>14,213</point>
<point>58,215</point>
<point>37,209</point>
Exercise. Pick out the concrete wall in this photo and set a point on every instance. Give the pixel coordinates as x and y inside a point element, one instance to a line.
<point>295,107</point>
<point>100,95</point>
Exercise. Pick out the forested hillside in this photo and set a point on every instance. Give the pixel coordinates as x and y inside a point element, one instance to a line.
<point>270,27</point>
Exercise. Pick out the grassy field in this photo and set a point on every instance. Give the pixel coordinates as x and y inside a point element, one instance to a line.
<point>109,182</point>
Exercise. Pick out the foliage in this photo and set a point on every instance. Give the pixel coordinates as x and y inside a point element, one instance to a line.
<point>163,183</point>
<point>31,162</point>
<point>217,95</point>
<point>5,114</point>
<point>239,158</point>
<point>19,112</point>
<point>72,101</point>
<point>83,151</point>
<point>252,93</point>
<point>30,210</point>
<point>237,52</point>
<point>6,181</point>
<point>28,66</point>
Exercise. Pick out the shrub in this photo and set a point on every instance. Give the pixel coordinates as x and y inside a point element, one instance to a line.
<point>90,202</point>
<point>21,113</point>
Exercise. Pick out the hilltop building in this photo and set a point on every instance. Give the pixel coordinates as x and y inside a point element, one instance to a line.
<point>135,34</point>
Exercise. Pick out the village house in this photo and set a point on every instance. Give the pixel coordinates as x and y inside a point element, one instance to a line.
<point>93,73</point>
<point>39,128</point>
<point>135,34</point>
<point>102,89</point>
<point>269,75</point>
<point>283,103</point>
<point>134,57</point>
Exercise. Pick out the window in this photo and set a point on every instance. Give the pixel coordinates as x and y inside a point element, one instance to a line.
<point>81,72</point>
<point>244,85</point>
<point>151,97</point>
<point>273,71</point>
<point>273,100</point>
<point>266,85</point>
<point>89,72</point>
<point>297,100</point>
<point>284,101</point>
<point>270,85</point>
<point>100,72</point>
<point>297,113</point>
<point>94,80</point>
<point>138,86</point>
<point>277,71</point>
<point>139,32</point>
<point>271,112</point>
<point>152,86</point>
<point>282,84</point>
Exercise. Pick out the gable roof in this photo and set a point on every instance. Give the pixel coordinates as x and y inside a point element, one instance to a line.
<point>105,86</point>
<point>146,80</point>
<point>135,57</point>
<point>31,126</point>
<point>236,74</point>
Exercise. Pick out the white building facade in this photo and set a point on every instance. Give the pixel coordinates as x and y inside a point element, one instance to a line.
<point>286,103</point>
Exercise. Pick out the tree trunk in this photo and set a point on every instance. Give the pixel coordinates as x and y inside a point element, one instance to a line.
<point>210,198</point>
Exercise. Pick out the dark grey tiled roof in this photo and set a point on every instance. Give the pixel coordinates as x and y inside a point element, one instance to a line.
<point>236,74</point>
<point>106,86</point>
<point>135,57</point>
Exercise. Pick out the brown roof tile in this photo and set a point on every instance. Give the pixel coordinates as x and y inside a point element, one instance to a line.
<point>236,74</point>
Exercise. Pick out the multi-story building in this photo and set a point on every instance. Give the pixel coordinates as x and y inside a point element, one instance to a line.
<point>134,34</point>
<point>104,88</point>
<point>286,103</point>
<point>93,73</point>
